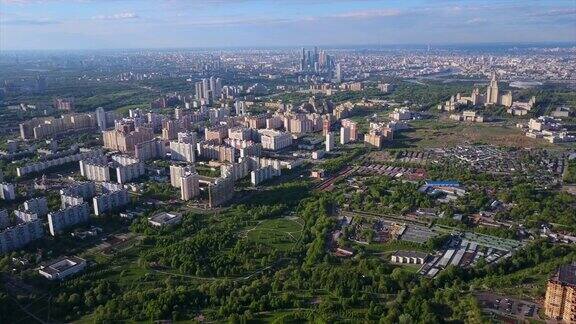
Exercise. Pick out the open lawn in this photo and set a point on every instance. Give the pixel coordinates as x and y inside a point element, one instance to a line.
<point>446,133</point>
<point>280,233</point>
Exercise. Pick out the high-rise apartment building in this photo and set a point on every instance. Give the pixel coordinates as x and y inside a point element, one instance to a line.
<point>152,149</point>
<point>189,186</point>
<point>560,300</point>
<point>101,118</point>
<point>208,89</point>
<point>344,135</point>
<point>220,191</point>
<point>124,139</point>
<point>353,128</point>
<point>95,169</point>
<point>37,206</point>
<point>113,197</point>
<point>274,140</point>
<point>184,148</point>
<point>330,142</point>
<point>216,133</point>
<point>169,130</point>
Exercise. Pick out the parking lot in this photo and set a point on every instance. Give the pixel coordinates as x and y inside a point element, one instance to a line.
<point>511,307</point>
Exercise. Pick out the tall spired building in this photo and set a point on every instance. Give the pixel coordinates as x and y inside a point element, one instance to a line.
<point>492,92</point>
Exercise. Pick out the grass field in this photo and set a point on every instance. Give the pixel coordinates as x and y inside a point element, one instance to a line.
<point>446,133</point>
<point>280,233</point>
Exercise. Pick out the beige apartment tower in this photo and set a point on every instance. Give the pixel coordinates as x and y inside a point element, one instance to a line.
<point>560,301</point>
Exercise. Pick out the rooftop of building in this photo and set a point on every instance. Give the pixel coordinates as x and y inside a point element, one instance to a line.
<point>441,183</point>
<point>566,274</point>
<point>410,254</point>
<point>61,264</point>
<point>164,217</point>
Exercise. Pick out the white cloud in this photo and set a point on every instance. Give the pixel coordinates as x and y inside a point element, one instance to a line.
<point>118,16</point>
<point>476,20</point>
<point>370,13</point>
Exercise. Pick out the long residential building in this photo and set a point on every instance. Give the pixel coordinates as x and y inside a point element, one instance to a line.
<point>95,169</point>
<point>15,237</point>
<point>41,166</point>
<point>217,152</point>
<point>60,220</point>
<point>46,127</point>
<point>235,170</point>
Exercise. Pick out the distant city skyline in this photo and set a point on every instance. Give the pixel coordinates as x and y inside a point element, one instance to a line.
<point>113,24</point>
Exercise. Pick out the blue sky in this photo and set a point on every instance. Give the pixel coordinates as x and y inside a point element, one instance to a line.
<point>95,24</point>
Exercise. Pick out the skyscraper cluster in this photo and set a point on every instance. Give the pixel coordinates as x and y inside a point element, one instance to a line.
<point>317,62</point>
<point>209,89</point>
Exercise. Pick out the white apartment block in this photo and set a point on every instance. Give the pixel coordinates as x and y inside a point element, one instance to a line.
<point>37,206</point>
<point>330,142</point>
<point>114,198</point>
<point>41,166</point>
<point>95,169</point>
<point>24,216</point>
<point>401,114</point>
<point>7,191</point>
<point>344,135</point>
<point>67,217</point>
<point>235,170</point>
<point>176,173</point>
<point>260,175</point>
<point>15,237</point>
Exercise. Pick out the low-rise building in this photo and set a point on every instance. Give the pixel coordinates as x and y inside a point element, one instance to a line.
<point>165,219</point>
<point>408,257</point>
<point>468,116</point>
<point>61,268</point>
